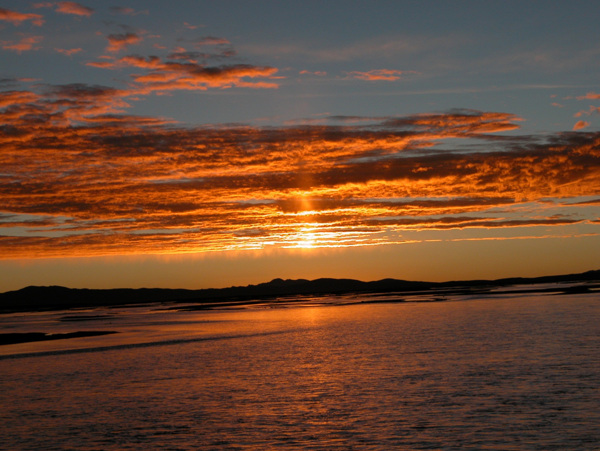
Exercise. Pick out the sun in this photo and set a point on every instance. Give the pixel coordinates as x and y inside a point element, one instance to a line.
<point>306,239</point>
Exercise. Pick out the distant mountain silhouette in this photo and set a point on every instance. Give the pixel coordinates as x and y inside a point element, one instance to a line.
<point>35,298</point>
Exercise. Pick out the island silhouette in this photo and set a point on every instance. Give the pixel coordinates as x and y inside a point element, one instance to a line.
<point>44,298</point>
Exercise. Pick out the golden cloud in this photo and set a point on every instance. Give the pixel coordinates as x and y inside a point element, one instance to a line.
<point>80,177</point>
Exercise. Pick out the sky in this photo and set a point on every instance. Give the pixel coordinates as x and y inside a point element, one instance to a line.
<point>197,144</point>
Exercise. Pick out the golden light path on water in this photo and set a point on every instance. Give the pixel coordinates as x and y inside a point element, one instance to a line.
<point>501,371</point>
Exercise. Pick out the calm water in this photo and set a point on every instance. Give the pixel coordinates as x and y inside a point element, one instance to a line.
<point>500,373</point>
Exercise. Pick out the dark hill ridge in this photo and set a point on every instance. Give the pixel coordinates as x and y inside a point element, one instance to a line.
<point>34,298</point>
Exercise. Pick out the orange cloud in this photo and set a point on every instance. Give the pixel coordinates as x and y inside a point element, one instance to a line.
<point>590,96</point>
<point>379,75</point>
<point>211,40</point>
<point>16,98</point>
<point>17,18</point>
<point>127,11</point>
<point>152,62</point>
<point>66,7</point>
<point>118,42</point>
<point>589,112</point>
<point>221,49</point>
<point>74,8</point>
<point>185,70</point>
<point>101,64</point>
<point>26,43</point>
<point>169,76</point>
<point>318,73</point>
<point>580,124</point>
<point>80,177</point>
<point>68,52</point>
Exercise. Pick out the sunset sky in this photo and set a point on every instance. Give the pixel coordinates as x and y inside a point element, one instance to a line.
<point>204,144</point>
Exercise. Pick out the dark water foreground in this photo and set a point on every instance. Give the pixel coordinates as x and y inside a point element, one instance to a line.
<point>508,372</point>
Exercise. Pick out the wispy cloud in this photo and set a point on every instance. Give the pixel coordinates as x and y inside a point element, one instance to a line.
<point>118,42</point>
<point>318,73</point>
<point>14,99</point>
<point>379,74</point>
<point>163,76</point>
<point>591,111</point>
<point>210,40</point>
<point>589,95</point>
<point>17,18</point>
<point>127,11</point>
<point>74,8</point>
<point>387,47</point>
<point>69,52</point>
<point>25,44</point>
<point>66,7</point>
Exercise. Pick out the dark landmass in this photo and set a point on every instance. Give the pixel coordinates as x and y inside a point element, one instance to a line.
<point>35,298</point>
<point>14,338</point>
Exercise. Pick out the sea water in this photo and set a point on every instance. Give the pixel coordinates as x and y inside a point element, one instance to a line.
<point>510,372</point>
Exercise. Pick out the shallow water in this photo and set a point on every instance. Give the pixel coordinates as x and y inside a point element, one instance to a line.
<point>517,372</point>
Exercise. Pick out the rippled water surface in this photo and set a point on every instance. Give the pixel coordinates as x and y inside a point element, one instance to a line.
<point>497,373</point>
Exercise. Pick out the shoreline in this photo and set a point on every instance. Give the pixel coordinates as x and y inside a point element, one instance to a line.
<point>53,298</point>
